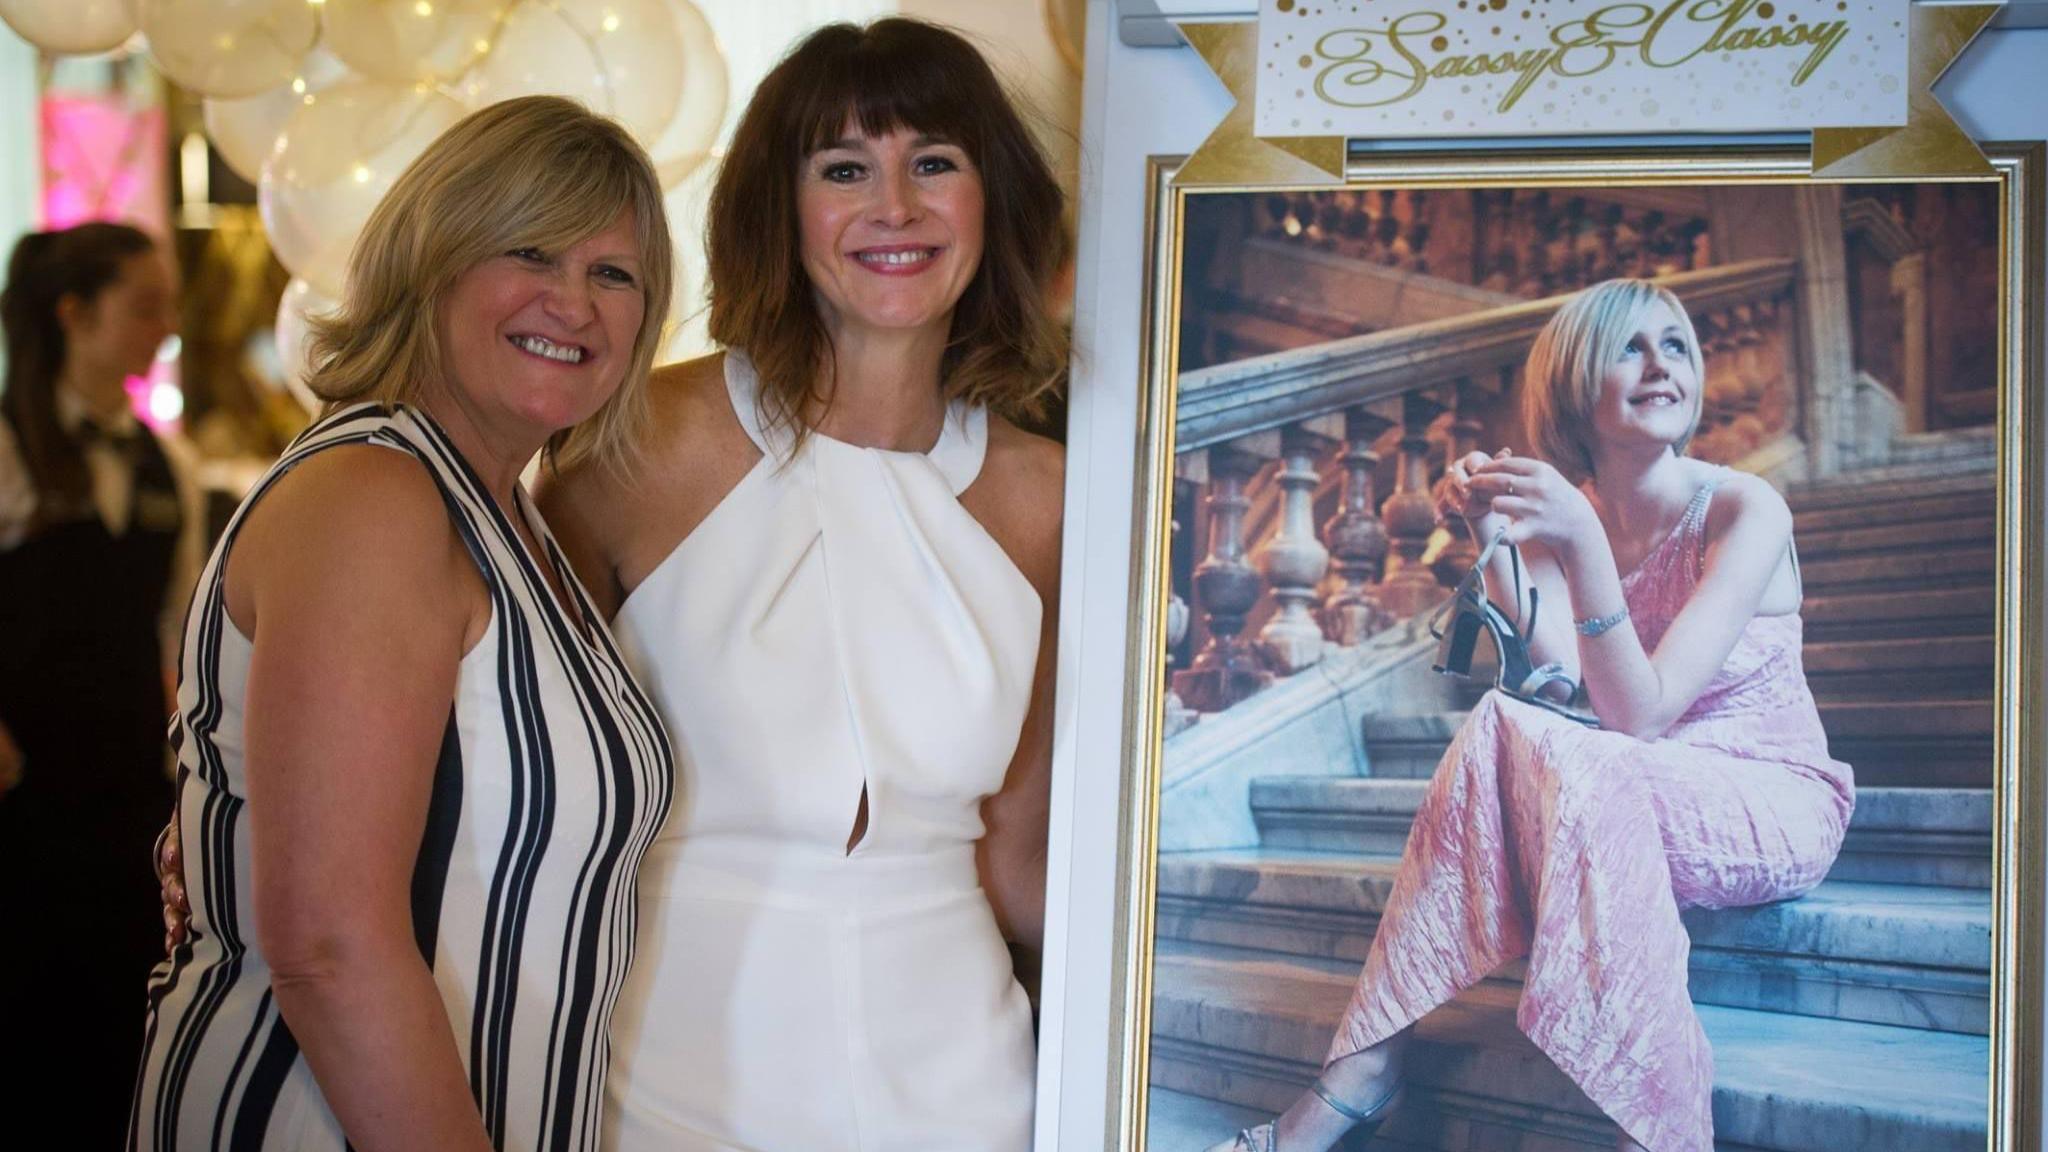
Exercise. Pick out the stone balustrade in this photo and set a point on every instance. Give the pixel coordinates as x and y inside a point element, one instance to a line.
<point>1526,242</point>
<point>1263,443</point>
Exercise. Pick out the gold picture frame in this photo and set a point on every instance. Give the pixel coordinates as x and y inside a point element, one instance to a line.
<point>2014,1111</point>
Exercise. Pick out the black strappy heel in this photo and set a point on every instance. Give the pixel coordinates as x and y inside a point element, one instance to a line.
<point>1470,610</point>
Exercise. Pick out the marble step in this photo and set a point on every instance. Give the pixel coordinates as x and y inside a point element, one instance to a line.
<point>1831,616</point>
<point>1876,535</point>
<point>1947,449</point>
<point>1918,667</point>
<point>1914,743</point>
<point>1880,953</point>
<point>1908,510</point>
<point>1179,1122</point>
<point>1904,493</point>
<point>1915,836</point>
<point>1250,1029</point>
<point>1182,1122</point>
<point>1407,746</point>
<point>1972,566</point>
<point>1901,742</point>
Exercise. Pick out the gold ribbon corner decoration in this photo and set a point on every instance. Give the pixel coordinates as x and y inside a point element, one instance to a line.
<point>1930,142</point>
<point>1233,153</point>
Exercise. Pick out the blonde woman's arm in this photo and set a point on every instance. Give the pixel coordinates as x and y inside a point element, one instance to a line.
<point>360,603</point>
<point>1633,690</point>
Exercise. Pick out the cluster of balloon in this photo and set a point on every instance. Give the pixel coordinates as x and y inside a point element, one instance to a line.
<point>321,103</point>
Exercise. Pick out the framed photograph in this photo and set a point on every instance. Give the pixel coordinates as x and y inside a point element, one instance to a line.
<point>1279,343</point>
<point>1316,356</point>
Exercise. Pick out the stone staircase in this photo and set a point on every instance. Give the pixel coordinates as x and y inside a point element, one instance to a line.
<point>1855,1017</point>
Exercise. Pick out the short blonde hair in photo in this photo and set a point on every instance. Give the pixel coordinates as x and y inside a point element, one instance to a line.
<point>1561,381</point>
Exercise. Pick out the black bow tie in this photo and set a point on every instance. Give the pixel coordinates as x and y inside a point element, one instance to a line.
<point>122,435</point>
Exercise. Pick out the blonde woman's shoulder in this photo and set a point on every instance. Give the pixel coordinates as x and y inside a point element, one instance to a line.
<point>1744,497</point>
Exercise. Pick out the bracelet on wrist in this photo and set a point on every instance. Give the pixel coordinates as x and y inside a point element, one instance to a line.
<point>1595,625</point>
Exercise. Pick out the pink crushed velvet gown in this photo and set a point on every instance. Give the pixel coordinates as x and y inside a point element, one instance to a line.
<point>1577,847</point>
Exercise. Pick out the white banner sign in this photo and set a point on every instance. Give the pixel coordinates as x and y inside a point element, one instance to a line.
<point>1386,68</point>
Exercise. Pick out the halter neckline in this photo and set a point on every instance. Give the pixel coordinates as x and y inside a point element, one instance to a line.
<point>958,454</point>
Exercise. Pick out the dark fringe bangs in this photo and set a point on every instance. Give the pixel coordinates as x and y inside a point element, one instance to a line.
<point>889,77</point>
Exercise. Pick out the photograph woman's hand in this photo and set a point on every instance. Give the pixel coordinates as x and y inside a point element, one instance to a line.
<point>1540,505</point>
<point>1455,498</point>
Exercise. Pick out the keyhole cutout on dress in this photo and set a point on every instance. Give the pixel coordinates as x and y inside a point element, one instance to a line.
<point>860,821</point>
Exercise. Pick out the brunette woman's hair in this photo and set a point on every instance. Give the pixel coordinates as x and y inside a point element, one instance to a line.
<point>46,268</point>
<point>1006,350</point>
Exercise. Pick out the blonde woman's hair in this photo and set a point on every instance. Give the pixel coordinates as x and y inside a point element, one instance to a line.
<point>534,172</point>
<point>1561,381</point>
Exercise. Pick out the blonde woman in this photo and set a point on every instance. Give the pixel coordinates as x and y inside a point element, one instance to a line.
<point>416,778</point>
<point>1668,587</point>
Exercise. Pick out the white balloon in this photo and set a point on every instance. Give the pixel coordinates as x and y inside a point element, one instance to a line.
<point>244,131</point>
<point>426,40</point>
<point>339,154</point>
<point>300,300</point>
<point>229,48</point>
<point>700,111</point>
<point>617,57</point>
<point>70,27</point>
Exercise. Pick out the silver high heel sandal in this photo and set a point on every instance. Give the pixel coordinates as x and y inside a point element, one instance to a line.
<point>1260,1139</point>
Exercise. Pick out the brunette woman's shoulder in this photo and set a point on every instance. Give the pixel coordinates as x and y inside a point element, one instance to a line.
<point>683,394</point>
<point>1021,496</point>
<point>696,436</point>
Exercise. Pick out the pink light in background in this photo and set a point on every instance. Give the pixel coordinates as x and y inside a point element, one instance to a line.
<point>104,160</point>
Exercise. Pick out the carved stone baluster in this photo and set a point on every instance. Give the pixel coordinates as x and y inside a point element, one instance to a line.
<point>1608,235</point>
<point>1330,223</point>
<point>1292,560</point>
<point>1776,409</point>
<point>1410,515</point>
<point>1228,669</point>
<point>1417,237</point>
<point>1753,369</point>
<point>1358,225</point>
<point>1356,539</point>
<point>1717,398</point>
<point>1460,553</point>
<point>1909,287</point>
<point>1385,233</point>
<point>1178,715</point>
<point>1274,222</point>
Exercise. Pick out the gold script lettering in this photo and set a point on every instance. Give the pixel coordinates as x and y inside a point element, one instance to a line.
<point>1374,67</point>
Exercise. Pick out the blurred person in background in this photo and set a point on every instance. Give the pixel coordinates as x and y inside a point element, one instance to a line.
<point>95,542</point>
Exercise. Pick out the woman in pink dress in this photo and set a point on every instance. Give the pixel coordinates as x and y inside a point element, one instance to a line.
<point>1706,783</point>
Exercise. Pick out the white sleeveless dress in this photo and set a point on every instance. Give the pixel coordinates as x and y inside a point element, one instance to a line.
<point>838,622</point>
